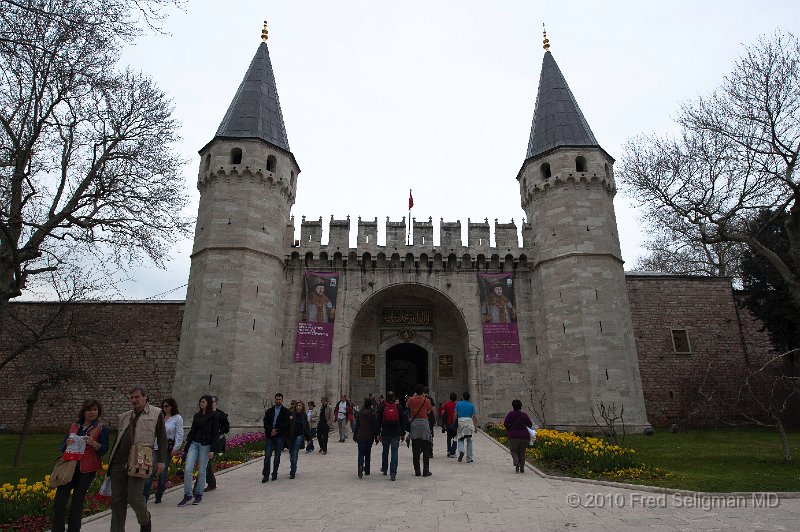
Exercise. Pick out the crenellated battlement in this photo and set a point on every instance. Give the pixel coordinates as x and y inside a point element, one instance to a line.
<point>399,250</point>
<point>236,174</point>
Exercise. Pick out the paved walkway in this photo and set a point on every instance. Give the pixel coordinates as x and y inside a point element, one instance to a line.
<point>484,495</point>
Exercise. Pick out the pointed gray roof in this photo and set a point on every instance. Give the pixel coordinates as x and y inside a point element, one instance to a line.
<point>557,120</point>
<point>255,111</point>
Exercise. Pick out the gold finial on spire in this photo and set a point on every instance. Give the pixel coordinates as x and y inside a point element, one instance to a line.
<point>264,32</point>
<point>545,41</point>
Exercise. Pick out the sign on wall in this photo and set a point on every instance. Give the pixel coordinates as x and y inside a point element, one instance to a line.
<point>499,318</point>
<point>314,342</point>
<point>446,367</point>
<point>367,366</point>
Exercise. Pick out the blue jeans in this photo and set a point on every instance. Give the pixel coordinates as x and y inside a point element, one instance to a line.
<point>393,444</point>
<point>162,478</point>
<point>199,454</point>
<point>364,455</point>
<point>294,449</point>
<point>272,445</point>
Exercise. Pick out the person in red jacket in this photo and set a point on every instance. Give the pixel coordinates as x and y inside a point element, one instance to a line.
<point>449,413</point>
<point>94,434</point>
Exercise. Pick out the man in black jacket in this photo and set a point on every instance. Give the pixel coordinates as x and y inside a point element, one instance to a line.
<point>276,430</point>
<point>224,428</point>
<point>392,421</point>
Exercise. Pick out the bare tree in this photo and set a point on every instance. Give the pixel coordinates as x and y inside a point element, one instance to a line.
<point>88,168</point>
<point>736,155</point>
<point>610,417</point>
<point>769,396</point>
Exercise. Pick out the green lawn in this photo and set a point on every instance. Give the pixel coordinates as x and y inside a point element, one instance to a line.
<point>38,456</point>
<point>722,459</point>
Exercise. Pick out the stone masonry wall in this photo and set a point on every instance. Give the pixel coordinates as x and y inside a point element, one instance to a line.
<point>115,344</point>
<point>705,308</point>
<point>138,342</point>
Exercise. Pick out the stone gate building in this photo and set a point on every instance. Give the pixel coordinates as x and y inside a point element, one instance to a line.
<point>408,311</point>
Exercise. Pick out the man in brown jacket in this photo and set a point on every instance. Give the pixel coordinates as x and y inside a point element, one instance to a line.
<point>142,425</point>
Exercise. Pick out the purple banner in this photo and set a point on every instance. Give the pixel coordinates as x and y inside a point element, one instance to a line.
<point>314,342</point>
<point>499,318</point>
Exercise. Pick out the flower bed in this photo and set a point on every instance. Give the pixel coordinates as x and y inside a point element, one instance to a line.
<point>582,456</point>
<point>28,507</point>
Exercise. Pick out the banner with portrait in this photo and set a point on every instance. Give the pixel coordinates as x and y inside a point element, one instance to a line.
<point>314,342</point>
<point>499,318</point>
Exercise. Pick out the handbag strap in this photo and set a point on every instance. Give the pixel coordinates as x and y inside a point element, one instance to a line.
<point>420,408</point>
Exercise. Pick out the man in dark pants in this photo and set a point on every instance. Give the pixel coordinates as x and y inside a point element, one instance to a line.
<point>276,429</point>
<point>142,425</point>
<point>224,428</point>
<point>420,430</point>
<point>324,426</point>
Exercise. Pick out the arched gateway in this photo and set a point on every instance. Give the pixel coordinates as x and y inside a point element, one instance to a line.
<point>407,334</point>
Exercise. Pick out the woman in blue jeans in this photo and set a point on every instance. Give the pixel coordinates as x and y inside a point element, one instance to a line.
<point>299,434</point>
<point>197,449</point>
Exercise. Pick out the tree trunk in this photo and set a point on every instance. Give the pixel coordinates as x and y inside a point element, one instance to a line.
<point>787,456</point>
<point>26,423</point>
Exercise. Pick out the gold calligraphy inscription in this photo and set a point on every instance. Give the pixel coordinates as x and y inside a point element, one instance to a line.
<point>407,316</point>
<point>445,366</point>
<point>367,366</point>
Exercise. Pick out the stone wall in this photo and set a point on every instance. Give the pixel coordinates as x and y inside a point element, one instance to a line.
<point>127,342</point>
<point>723,339</point>
<point>114,345</point>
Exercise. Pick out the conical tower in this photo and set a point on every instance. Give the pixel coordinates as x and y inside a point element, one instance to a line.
<point>583,325</point>
<point>230,342</point>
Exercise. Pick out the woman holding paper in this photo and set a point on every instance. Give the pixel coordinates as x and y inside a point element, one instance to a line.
<point>517,423</point>
<point>85,443</point>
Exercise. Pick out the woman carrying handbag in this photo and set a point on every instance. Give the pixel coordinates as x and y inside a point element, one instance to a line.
<point>88,432</point>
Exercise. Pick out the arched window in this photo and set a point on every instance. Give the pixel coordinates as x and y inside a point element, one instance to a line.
<point>236,156</point>
<point>272,163</point>
<point>545,170</point>
<point>208,162</point>
<point>608,173</point>
<point>291,177</point>
<point>580,164</point>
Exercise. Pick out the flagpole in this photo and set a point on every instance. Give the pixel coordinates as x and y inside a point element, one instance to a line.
<point>408,228</point>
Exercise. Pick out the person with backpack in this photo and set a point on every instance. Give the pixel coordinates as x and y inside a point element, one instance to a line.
<point>449,423</point>
<point>392,421</point>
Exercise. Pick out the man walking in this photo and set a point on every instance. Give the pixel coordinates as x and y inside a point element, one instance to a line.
<point>344,416</point>
<point>465,412</point>
<point>138,428</point>
<point>391,427</point>
<point>324,426</point>
<point>449,415</point>
<point>276,429</point>
<point>420,431</point>
<point>224,428</point>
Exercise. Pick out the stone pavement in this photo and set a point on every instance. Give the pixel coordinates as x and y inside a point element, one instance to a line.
<point>484,495</point>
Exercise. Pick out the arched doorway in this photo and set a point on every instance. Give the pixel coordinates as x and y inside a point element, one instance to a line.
<point>406,366</point>
<point>408,334</point>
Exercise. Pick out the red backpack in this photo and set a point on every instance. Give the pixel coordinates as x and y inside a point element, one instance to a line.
<point>391,414</point>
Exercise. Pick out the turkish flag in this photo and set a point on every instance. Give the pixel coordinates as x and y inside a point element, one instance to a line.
<point>410,200</point>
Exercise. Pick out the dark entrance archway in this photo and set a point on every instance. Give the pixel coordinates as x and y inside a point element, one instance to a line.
<point>406,366</point>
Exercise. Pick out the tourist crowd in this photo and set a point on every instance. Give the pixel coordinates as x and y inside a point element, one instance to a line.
<point>148,436</point>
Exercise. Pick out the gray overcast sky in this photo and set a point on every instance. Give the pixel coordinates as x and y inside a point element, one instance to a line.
<point>437,95</point>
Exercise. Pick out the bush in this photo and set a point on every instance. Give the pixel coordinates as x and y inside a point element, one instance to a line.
<point>570,452</point>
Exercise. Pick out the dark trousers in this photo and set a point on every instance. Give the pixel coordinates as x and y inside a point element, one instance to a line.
<point>310,446</point>
<point>364,455</point>
<point>126,490</point>
<point>420,447</point>
<point>80,484</point>
<point>451,442</point>
<point>272,445</point>
<point>322,436</point>
<point>517,447</point>
<point>390,444</point>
